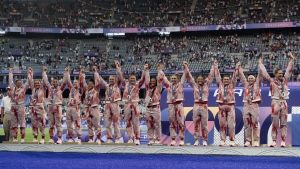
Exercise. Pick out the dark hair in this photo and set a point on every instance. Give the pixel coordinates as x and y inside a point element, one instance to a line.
<point>55,78</point>
<point>18,80</point>
<point>226,75</point>
<point>92,80</point>
<point>154,79</point>
<point>132,74</point>
<point>275,71</point>
<point>37,80</point>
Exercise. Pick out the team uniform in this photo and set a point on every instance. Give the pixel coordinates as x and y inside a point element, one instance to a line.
<point>131,108</point>
<point>73,111</point>
<point>279,94</point>
<point>226,100</point>
<point>112,109</point>
<point>6,106</point>
<point>252,99</point>
<point>153,113</point>
<point>175,97</point>
<point>91,103</point>
<point>18,99</point>
<point>54,101</point>
<point>37,111</point>
<point>200,109</point>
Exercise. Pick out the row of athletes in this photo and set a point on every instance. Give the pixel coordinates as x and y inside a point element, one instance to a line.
<point>175,96</point>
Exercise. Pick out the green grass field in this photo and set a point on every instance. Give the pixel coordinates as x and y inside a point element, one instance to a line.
<point>29,136</point>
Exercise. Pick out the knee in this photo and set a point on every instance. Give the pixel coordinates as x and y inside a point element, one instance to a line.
<point>231,127</point>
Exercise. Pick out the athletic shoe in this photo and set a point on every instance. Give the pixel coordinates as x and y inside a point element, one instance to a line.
<point>90,141</point>
<point>59,141</point>
<point>117,141</point>
<point>157,142</point>
<point>204,143</point>
<point>98,141</point>
<point>137,142</point>
<point>222,144</point>
<point>282,143</point>
<point>181,143</point>
<point>22,141</point>
<point>15,140</point>
<point>130,141</point>
<point>42,141</point>
<point>35,140</point>
<point>150,142</point>
<point>173,143</point>
<point>197,143</point>
<point>70,140</point>
<point>256,144</point>
<point>51,141</point>
<point>247,144</point>
<point>79,141</point>
<point>273,144</point>
<point>109,141</point>
<point>231,143</point>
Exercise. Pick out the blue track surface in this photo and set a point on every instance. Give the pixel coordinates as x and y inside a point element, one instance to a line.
<point>31,160</point>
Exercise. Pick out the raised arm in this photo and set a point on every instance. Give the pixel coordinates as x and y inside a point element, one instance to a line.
<point>217,73</point>
<point>10,78</point>
<point>184,75</point>
<point>211,76</point>
<point>98,79</point>
<point>189,76</point>
<point>259,78</point>
<point>120,77</point>
<point>68,79</point>
<point>29,79</point>
<point>142,80</point>
<point>160,76</point>
<point>289,69</point>
<point>147,78</point>
<point>235,74</point>
<point>263,71</point>
<point>165,81</point>
<point>65,77</point>
<point>82,82</point>
<point>241,75</point>
<point>45,78</point>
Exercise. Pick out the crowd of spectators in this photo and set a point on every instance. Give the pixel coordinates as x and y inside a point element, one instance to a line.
<point>138,13</point>
<point>134,52</point>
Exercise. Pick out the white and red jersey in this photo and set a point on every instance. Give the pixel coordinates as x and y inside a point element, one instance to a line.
<point>131,91</point>
<point>153,95</point>
<point>251,92</point>
<point>54,94</point>
<point>18,94</point>
<point>279,88</point>
<point>112,91</point>
<point>201,92</point>
<point>91,96</point>
<point>175,91</point>
<point>226,92</point>
<point>38,96</point>
<point>75,93</point>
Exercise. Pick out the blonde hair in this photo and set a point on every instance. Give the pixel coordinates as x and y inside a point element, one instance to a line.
<point>177,75</point>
